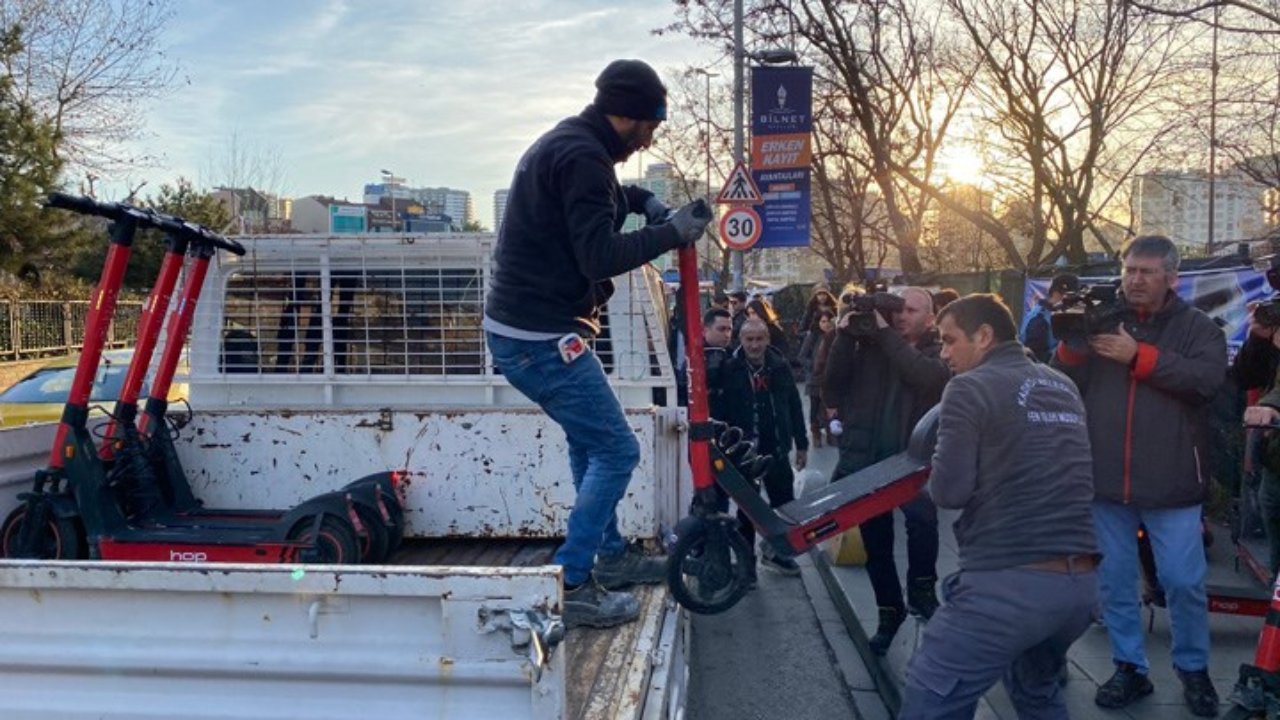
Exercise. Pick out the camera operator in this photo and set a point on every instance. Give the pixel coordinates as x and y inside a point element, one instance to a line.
<point>1146,386</point>
<point>1037,332</point>
<point>880,379</point>
<point>1255,371</point>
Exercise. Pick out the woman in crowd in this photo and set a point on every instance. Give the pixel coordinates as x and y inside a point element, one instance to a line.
<point>813,355</point>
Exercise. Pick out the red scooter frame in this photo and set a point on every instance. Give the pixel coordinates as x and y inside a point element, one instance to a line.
<point>152,474</point>
<point>709,564</point>
<point>72,510</point>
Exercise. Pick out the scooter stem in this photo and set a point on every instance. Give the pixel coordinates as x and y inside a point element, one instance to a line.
<point>700,433</point>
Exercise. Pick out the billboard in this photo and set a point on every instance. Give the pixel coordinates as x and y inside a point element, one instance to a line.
<point>781,123</point>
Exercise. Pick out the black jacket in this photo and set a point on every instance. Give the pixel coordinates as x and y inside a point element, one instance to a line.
<point>880,387</point>
<point>736,401</point>
<point>1148,422</point>
<point>1256,364</point>
<point>559,243</point>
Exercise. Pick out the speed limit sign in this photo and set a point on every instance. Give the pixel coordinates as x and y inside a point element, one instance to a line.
<point>740,228</point>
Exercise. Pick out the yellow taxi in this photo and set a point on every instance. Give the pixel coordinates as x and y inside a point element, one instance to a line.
<point>40,396</point>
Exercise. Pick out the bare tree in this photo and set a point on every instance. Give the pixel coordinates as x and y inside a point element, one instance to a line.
<point>1243,121</point>
<point>1071,97</point>
<point>1208,10</point>
<point>887,62</point>
<point>850,228</point>
<point>89,66</point>
<point>243,162</point>
<point>879,61</point>
<point>699,133</point>
<point>249,176</point>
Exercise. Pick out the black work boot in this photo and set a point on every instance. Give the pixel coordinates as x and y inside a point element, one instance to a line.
<point>1125,686</point>
<point>590,605</point>
<point>632,567</point>
<point>1197,690</point>
<point>891,619</point>
<point>922,597</point>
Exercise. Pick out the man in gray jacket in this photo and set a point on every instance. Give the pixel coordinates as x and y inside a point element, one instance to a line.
<point>1013,455</point>
<point>1146,387</point>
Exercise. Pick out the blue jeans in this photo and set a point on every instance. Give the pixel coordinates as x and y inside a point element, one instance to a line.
<point>1178,546</point>
<point>603,450</point>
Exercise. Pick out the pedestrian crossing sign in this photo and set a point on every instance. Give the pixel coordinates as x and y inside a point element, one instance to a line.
<point>740,188</point>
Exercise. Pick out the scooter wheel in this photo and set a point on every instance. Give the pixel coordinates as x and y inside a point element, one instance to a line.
<point>709,567</point>
<point>60,539</point>
<point>334,544</point>
<point>375,541</point>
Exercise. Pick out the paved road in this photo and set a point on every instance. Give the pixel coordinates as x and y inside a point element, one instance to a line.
<point>782,652</point>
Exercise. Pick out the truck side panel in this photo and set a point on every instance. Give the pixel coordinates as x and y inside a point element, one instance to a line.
<point>474,473</point>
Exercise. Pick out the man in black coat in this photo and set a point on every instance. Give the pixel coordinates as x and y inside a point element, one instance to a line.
<point>557,249</point>
<point>760,396</point>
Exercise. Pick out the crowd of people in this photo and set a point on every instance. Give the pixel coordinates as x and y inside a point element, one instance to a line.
<point>1053,449</point>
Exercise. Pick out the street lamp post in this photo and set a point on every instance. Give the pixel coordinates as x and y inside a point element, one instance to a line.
<point>767,57</point>
<point>387,178</point>
<point>708,75</point>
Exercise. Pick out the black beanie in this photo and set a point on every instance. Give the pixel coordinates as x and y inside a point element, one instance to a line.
<point>631,89</point>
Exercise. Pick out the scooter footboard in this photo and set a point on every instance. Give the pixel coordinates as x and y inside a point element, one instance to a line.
<point>852,500</point>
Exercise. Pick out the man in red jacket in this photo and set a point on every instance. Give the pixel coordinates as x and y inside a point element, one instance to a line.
<point>1146,387</point>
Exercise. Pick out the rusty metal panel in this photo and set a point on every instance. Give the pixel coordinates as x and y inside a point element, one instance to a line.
<point>474,473</point>
<point>93,640</point>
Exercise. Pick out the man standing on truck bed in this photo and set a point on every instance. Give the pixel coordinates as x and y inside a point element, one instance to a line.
<point>557,249</point>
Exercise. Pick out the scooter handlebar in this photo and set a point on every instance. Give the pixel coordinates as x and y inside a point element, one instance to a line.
<point>86,206</point>
<point>173,225</point>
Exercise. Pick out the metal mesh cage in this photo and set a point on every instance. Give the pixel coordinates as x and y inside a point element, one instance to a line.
<point>355,314</point>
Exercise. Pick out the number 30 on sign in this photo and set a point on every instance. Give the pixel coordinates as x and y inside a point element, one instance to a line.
<point>740,228</point>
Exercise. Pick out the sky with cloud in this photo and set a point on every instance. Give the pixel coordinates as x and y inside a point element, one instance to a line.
<point>441,92</point>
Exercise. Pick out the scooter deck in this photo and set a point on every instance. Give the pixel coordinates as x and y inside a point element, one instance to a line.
<point>864,494</point>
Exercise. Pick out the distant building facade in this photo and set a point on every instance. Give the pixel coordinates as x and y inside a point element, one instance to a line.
<point>255,211</point>
<point>434,201</point>
<point>1176,204</point>
<point>326,215</point>
<point>499,208</point>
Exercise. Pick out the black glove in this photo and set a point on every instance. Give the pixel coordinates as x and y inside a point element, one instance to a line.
<point>655,212</point>
<point>691,220</point>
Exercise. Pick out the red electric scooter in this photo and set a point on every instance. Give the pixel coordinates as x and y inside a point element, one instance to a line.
<point>147,471</point>
<point>72,511</point>
<point>709,564</point>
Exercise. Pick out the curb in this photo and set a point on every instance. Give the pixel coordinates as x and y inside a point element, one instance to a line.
<point>886,685</point>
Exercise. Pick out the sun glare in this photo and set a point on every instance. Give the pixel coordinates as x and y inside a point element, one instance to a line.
<point>961,165</point>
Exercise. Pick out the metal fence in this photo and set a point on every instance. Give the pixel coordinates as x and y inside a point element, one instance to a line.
<point>35,328</point>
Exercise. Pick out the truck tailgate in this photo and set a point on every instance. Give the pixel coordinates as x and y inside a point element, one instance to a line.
<point>106,640</point>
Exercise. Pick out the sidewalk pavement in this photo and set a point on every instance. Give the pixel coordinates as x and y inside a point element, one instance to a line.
<point>1234,638</point>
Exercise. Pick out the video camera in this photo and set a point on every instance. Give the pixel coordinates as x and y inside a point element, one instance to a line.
<point>1092,310</point>
<point>862,310</point>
